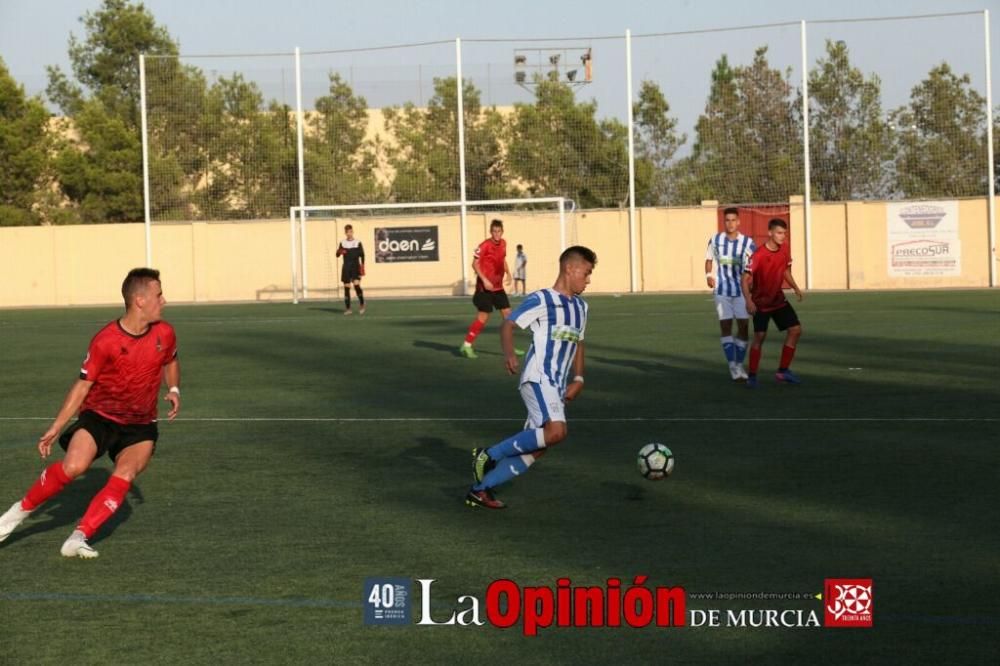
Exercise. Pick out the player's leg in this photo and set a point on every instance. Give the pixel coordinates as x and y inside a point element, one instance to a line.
<point>760,323</point>
<point>787,320</point>
<point>740,340</point>
<point>130,462</point>
<point>361,295</point>
<point>513,456</point>
<point>347,297</point>
<point>484,306</point>
<point>723,308</point>
<point>81,449</point>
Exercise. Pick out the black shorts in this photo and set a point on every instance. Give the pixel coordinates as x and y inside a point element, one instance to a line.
<point>112,438</point>
<point>784,317</point>
<point>349,274</point>
<point>487,301</point>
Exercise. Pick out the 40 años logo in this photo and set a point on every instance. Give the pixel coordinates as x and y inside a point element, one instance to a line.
<point>508,604</point>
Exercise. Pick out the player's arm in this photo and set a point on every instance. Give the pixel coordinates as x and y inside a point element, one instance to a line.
<point>710,266</point>
<point>576,384</point>
<point>791,280</point>
<point>172,373</point>
<point>486,280</point>
<point>745,287</point>
<point>507,344</point>
<point>508,278</point>
<point>340,250</point>
<point>70,406</point>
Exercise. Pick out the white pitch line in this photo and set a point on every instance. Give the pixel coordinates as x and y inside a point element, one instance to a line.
<point>520,419</point>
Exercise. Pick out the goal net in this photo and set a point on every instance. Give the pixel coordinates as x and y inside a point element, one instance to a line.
<point>426,248</point>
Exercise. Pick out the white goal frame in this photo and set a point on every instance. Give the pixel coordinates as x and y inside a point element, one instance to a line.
<point>299,242</point>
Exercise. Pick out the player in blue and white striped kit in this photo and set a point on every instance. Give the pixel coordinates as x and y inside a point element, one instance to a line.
<point>729,252</point>
<point>552,374</point>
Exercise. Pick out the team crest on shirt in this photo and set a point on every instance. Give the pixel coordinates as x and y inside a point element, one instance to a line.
<point>565,333</point>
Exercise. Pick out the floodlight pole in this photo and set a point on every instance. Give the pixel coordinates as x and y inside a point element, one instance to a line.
<point>291,229</point>
<point>632,260</point>
<point>807,198</point>
<point>990,201</point>
<point>301,165</point>
<point>460,121</point>
<point>145,161</point>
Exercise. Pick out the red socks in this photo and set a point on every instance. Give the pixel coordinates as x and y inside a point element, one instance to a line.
<point>474,330</point>
<point>51,482</point>
<point>104,504</point>
<point>787,353</point>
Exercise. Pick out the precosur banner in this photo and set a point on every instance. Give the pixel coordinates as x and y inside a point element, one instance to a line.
<point>923,239</point>
<point>406,244</point>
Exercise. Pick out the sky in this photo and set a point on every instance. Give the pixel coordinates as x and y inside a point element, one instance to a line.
<point>34,34</point>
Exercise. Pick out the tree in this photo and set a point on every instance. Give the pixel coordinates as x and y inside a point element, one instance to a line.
<point>656,142</point>
<point>850,143</point>
<point>23,151</point>
<point>559,148</point>
<point>748,144</point>
<point>105,63</point>
<point>941,138</point>
<point>97,172</point>
<point>105,82</point>
<point>425,155</point>
<point>340,162</point>
<point>252,164</point>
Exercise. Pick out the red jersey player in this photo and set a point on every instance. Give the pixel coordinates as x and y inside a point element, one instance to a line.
<point>492,271</point>
<point>116,398</point>
<point>769,267</point>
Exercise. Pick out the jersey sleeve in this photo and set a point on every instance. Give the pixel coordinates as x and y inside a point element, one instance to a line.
<point>748,252</point>
<point>361,251</point>
<point>95,361</point>
<point>583,324</point>
<point>710,251</point>
<point>528,311</point>
<point>170,347</point>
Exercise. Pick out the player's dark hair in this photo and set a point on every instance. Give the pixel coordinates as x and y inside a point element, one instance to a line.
<point>348,227</point>
<point>578,252</point>
<point>136,281</point>
<point>777,222</point>
<point>731,211</point>
<point>520,247</point>
<point>496,223</point>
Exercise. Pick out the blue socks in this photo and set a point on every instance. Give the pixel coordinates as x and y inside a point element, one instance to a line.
<point>525,441</point>
<point>512,457</point>
<point>740,349</point>
<point>505,470</point>
<point>728,348</point>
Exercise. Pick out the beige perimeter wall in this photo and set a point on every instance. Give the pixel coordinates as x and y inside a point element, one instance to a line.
<point>251,261</point>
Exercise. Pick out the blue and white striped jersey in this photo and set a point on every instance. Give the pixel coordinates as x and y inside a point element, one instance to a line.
<point>730,257</point>
<point>557,324</point>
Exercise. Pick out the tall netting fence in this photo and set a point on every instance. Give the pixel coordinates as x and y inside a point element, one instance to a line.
<point>221,137</point>
<point>897,123</point>
<point>380,125</point>
<point>717,115</point>
<point>546,117</point>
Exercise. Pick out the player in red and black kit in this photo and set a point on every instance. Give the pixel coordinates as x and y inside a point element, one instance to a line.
<point>769,268</point>
<point>492,271</point>
<point>115,396</point>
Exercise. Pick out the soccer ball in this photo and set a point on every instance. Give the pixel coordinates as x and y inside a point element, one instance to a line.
<point>655,462</point>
